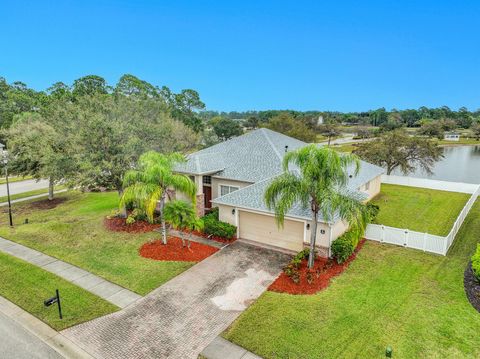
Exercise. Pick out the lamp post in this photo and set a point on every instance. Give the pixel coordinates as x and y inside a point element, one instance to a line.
<point>5,163</point>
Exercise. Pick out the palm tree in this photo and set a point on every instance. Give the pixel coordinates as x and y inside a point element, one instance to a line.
<point>318,182</point>
<point>152,183</point>
<point>181,216</point>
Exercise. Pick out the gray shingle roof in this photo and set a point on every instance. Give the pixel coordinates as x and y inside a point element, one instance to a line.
<point>257,157</point>
<point>251,158</point>
<point>251,197</point>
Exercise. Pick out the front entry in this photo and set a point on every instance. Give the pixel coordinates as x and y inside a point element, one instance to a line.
<point>207,197</point>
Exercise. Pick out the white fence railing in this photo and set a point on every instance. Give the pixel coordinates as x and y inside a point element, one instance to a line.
<point>417,240</point>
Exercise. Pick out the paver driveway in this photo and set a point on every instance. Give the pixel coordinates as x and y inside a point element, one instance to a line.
<point>184,315</point>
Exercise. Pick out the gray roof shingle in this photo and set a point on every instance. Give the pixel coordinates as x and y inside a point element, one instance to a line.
<point>251,158</point>
<point>257,157</point>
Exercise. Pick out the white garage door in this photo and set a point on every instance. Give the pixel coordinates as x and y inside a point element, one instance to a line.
<point>262,228</point>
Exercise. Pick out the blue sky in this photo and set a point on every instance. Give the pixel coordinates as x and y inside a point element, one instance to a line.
<point>324,55</point>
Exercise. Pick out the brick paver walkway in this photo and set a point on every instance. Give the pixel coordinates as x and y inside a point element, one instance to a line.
<point>184,315</point>
<point>99,286</point>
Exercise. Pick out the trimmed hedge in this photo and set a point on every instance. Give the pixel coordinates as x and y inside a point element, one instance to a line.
<point>344,246</point>
<point>476,262</point>
<point>214,227</point>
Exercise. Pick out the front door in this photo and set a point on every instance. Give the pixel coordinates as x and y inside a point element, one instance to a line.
<point>207,197</point>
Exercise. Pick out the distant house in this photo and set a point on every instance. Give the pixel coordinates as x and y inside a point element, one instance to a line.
<point>234,174</point>
<point>452,136</point>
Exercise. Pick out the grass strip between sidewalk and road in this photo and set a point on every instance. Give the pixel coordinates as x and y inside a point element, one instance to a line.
<point>28,286</point>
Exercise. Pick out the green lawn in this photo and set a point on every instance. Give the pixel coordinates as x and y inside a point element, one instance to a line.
<point>419,209</point>
<point>462,141</point>
<point>28,286</point>
<point>74,232</point>
<point>389,296</point>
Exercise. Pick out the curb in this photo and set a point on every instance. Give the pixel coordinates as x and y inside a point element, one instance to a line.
<point>42,331</point>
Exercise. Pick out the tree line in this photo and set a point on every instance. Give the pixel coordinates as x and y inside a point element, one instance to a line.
<point>89,134</point>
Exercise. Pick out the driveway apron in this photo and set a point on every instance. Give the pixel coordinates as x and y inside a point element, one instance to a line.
<point>180,318</point>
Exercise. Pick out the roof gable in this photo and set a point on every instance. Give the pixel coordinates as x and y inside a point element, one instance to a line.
<point>251,157</point>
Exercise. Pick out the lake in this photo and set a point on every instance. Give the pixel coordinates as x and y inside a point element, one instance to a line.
<point>460,164</point>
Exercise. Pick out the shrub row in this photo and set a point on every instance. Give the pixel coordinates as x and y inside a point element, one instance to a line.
<point>214,227</point>
<point>344,246</point>
<point>476,262</point>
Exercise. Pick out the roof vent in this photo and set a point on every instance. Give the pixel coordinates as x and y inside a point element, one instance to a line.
<point>286,148</point>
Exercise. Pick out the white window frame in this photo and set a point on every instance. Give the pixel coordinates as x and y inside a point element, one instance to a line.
<point>229,189</point>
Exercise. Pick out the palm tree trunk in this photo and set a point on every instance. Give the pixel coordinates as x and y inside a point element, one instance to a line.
<point>50,188</point>
<point>123,211</point>
<point>162,219</point>
<point>313,239</point>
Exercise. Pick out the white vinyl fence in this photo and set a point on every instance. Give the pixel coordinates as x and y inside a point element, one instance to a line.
<point>417,240</point>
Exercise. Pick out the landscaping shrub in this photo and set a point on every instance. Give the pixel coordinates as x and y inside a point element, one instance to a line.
<point>373,210</point>
<point>344,246</point>
<point>130,220</point>
<point>214,213</point>
<point>476,262</point>
<point>218,228</point>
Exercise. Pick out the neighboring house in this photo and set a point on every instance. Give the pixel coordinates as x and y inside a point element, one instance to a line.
<point>234,174</point>
<point>451,136</point>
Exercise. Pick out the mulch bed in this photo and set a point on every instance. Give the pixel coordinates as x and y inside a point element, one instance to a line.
<point>117,224</point>
<point>323,271</point>
<point>213,238</point>
<point>173,250</point>
<point>472,287</point>
<point>47,204</point>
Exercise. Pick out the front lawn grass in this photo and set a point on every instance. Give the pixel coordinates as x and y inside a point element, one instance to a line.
<point>28,286</point>
<point>419,209</point>
<point>389,296</point>
<point>74,232</point>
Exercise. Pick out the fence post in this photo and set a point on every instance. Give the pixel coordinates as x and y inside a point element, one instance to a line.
<point>425,236</point>
<point>383,234</point>
<point>405,242</point>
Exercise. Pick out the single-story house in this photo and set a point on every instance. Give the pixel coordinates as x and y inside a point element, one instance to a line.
<point>234,174</point>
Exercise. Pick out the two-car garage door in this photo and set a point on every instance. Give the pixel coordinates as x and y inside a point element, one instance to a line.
<point>262,228</point>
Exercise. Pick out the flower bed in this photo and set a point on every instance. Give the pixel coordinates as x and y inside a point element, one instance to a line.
<point>320,275</point>
<point>174,251</point>
<point>117,224</point>
<point>213,238</point>
<point>472,287</point>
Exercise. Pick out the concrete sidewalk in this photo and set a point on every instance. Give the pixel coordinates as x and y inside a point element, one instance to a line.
<point>221,348</point>
<point>2,204</point>
<point>113,293</point>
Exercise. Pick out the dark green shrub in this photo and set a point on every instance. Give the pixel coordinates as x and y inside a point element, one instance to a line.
<point>342,248</point>
<point>373,210</point>
<point>213,213</point>
<point>217,228</point>
<point>476,262</point>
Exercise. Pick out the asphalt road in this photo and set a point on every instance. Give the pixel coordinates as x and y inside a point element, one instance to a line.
<point>23,186</point>
<point>17,343</point>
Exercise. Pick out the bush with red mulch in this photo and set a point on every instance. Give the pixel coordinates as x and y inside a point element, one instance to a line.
<point>213,238</point>
<point>118,224</point>
<point>174,251</point>
<point>320,275</point>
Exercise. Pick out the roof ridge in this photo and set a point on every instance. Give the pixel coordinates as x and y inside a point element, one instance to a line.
<point>272,145</point>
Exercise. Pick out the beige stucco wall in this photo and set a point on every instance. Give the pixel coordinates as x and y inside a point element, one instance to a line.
<point>216,182</point>
<point>322,238</point>
<point>225,214</point>
<point>374,188</point>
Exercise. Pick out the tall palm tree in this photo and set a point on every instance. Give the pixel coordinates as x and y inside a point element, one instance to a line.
<point>317,181</point>
<point>151,184</point>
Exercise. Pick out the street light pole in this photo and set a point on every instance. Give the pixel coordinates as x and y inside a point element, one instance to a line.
<point>5,162</point>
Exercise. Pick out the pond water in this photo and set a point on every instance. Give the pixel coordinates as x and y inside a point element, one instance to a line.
<point>460,164</point>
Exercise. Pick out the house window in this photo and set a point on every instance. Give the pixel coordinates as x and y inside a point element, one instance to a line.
<point>367,186</point>
<point>207,179</point>
<point>227,189</point>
